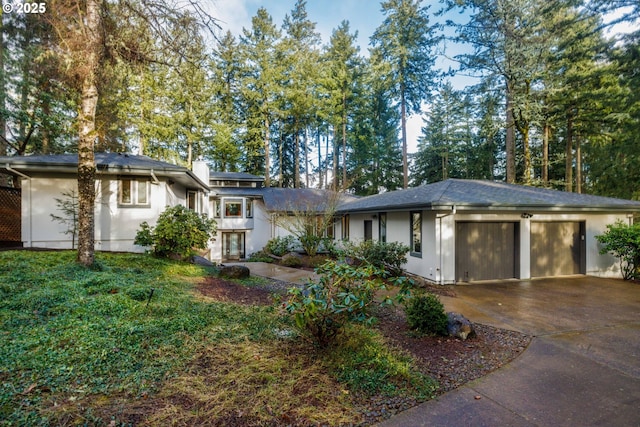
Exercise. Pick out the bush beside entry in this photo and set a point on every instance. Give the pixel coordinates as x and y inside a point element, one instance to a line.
<point>179,231</point>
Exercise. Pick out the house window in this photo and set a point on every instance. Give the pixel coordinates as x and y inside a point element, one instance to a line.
<point>382,227</point>
<point>133,192</point>
<point>416,234</point>
<point>192,200</point>
<point>345,227</point>
<point>329,230</point>
<point>233,208</point>
<point>216,208</point>
<point>249,208</point>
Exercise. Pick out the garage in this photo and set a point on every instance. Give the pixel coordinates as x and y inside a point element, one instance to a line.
<point>486,250</point>
<point>558,248</point>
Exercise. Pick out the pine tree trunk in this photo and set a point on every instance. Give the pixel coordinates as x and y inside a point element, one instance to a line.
<point>87,119</point>
<point>336,153</point>
<point>403,118</point>
<point>344,142</point>
<point>267,162</point>
<point>306,157</point>
<point>578,165</point>
<point>568,170</point>
<point>296,160</point>
<point>546,133</point>
<point>319,145</point>
<point>510,141</point>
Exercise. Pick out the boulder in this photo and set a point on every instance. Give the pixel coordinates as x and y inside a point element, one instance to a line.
<point>459,326</point>
<point>199,260</point>
<point>234,271</point>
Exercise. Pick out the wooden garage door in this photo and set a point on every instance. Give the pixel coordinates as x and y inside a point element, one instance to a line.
<point>486,250</point>
<point>557,248</point>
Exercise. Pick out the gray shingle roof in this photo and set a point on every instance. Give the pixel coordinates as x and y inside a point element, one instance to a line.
<point>477,194</point>
<point>117,163</point>
<point>112,160</point>
<point>303,199</point>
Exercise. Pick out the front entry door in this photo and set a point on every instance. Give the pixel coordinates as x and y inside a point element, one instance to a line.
<point>232,246</point>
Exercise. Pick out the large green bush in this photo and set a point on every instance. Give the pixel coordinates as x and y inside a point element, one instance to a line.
<point>425,313</point>
<point>343,294</point>
<point>389,256</point>
<point>280,246</point>
<point>179,231</point>
<point>623,241</point>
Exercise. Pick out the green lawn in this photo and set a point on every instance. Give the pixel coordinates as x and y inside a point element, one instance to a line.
<point>88,346</point>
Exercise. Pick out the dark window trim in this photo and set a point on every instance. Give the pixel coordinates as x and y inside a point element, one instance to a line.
<point>411,242</point>
<point>380,227</point>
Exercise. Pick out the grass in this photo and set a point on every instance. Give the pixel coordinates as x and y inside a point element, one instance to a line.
<point>98,347</point>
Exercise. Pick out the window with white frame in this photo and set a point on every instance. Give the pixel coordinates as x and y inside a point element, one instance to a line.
<point>133,192</point>
<point>249,208</point>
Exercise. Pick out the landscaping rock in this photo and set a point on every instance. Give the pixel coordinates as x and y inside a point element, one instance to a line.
<point>198,260</point>
<point>459,326</point>
<point>234,272</point>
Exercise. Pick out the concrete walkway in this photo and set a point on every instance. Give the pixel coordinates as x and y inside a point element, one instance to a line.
<point>582,367</point>
<point>286,274</point>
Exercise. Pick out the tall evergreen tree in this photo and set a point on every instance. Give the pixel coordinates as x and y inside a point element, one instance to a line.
<point>343,66</point>
<point>302,56</point>
<point>404,46</point>
<point>260,90</point>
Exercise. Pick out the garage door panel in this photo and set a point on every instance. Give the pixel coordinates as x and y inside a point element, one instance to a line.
<point>485,250</point>
<point>556,248</point>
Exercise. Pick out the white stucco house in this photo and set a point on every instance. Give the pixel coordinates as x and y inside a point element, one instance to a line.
<point>467,230</point>
<point>129,190</point>
<point>457,230</point>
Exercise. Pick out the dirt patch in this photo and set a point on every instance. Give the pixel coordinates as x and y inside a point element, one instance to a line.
<point>224,290</point>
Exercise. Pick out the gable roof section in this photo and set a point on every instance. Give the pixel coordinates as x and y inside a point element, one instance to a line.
<point>478,194</point>
<point>106,163</point>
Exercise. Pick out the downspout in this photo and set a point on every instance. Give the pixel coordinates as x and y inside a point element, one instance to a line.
<point>28,179</point>
<point>155,178</point>
<point>453,212</point>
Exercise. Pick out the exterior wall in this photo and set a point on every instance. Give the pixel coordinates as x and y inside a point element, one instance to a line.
<point>596,264</point>
<point>115,226</point>
<point>258,230</point>
<point>437,261</point>
<point>398,230</point>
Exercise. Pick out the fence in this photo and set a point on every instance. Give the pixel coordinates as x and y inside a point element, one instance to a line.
<point>10,213</point>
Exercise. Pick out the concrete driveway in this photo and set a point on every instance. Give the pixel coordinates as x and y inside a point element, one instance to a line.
<point>582,367</point>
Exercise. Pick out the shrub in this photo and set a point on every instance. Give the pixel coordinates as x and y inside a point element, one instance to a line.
<point>425,313</point>
<point>179,231</point>
<point>280,246</point>
<point>343,294</point>
<point>260,256</point>
<point>623,241</point>
<point>291,261</point>
<point>390,256</point>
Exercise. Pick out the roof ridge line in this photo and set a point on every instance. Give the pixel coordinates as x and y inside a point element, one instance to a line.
<point>446,187</point>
